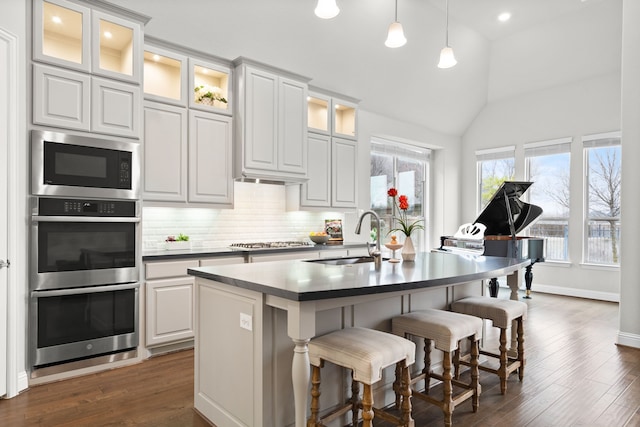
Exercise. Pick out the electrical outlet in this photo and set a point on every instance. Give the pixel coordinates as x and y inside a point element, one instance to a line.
<point>246,322</point>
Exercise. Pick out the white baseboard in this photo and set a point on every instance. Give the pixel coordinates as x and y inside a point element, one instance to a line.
<point>629,340</point>
<point>574,292</point>
<point>23,381</point>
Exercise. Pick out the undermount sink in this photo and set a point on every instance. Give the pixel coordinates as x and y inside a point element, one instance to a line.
<point>344,261</point>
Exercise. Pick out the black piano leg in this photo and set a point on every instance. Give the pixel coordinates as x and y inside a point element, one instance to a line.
<point>528,278</point>
<point>493,288</point>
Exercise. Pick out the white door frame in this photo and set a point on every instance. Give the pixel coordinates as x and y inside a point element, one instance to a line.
<point>10,139</point>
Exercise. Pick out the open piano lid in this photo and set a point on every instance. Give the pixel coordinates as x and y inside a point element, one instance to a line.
<point>496,215</point>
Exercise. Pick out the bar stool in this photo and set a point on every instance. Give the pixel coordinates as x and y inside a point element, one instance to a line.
<point>366,352</point>
<point>502,313</point>
<point>445,329</point>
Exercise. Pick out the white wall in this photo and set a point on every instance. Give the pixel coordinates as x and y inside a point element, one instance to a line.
<point>629,333</point>
<point>552,108</point>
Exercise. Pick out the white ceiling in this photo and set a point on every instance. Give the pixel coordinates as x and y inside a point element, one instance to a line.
<point>347,54</point>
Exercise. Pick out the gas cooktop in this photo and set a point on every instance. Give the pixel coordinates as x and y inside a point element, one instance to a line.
<point>269,245</point>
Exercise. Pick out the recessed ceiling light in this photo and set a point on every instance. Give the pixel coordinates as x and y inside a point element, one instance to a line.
<point>56,19</point>
<point>504,17</point>
<point>156,57</point>
<point>107,34</point>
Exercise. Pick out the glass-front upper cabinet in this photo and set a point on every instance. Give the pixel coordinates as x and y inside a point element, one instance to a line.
<point>318,107</point>
<point>116,45</point>
<point>62,34</point>
<point>165,76</point>
<point>344,118</point>
<point>210,85</point>
<point>74,36</point>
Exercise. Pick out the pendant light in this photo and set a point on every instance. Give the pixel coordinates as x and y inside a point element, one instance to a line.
<point>447,60</point>
<point>395,35</point>
<point>327,9</point>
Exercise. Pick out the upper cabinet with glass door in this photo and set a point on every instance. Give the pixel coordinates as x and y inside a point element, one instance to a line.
<point>73,36</point>
<point>210,85</point>
<point>331,114</point>
<point>165,76</point>
<point>62,34</point>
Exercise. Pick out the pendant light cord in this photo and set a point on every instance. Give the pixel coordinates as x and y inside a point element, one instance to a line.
<point>396,11</point>
<point>446,36</point>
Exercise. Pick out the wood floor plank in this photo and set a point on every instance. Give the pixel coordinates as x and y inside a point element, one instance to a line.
<point>575,376</point>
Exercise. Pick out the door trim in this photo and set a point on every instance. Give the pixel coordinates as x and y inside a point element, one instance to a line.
<point>13,136</point>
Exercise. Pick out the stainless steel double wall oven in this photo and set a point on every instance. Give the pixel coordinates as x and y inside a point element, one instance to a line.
<point>84,248</point>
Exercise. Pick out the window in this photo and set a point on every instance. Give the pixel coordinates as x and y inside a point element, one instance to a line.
<point>494,167</point>
<point>404,167</point>
<point>602,224</point>
<point>548,166</point>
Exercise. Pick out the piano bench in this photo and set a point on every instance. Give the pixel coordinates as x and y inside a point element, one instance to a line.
<point>502,313</point>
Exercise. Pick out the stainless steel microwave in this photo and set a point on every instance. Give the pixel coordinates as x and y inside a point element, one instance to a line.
<point>78,166</point>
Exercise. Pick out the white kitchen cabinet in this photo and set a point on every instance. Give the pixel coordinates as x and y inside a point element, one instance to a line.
<point>169,302</point>
<point>115,108</point>
<point>283,256</point>
<point>210,158</point>
<point>170,299</point>
<point>74,36</point>
<point>74,100</point>
<point>165,153</point>
<point>61,98</point>
<point>317,190</point>
<point>271,115</point>
<point>344,158</point>
<point>165,75</point>
<point>187,156</point>
<point>214,84</point>
<point>332,152</point>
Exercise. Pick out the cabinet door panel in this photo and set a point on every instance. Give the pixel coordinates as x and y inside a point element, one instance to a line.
<point>115,108</point>
<point>165,153</point>
<point>61,98</point>
<point>317,190</point>
<point>344,160</point>
<point>261,120</point>
<point>292,127</point>
<point>119,55</point>
<point>170,314</point>
<point>210,162</point>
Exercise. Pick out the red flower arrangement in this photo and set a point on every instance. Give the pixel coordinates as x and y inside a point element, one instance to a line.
<point>402,205</point>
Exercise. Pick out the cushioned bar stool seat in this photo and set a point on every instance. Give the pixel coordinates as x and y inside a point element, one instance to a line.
<point>366,352</point>
<point>445,330</point>
<point>502,314</point>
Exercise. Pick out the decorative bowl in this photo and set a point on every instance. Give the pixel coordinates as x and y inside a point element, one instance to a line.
<point>320,240</point>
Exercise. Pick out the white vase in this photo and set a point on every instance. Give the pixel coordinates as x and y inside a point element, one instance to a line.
<point>408,251</point>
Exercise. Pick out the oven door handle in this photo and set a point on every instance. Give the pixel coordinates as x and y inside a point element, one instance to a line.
<point>91,290</point>
<point>39,218</point>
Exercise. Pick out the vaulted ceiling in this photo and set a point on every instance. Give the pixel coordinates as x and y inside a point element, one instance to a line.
<point>347,54</point>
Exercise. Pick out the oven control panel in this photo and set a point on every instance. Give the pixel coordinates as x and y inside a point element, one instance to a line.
<point>81,207</point>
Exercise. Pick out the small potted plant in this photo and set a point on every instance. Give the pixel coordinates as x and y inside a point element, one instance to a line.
<point>179,242</point>
<point>208,95</point>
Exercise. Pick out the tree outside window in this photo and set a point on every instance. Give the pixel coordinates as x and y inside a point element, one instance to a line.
<point>494,168</point>
<point>603,159</point>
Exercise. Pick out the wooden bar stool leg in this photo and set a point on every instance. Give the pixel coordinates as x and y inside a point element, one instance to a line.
<point>355,401</point>
<point>397,385</point>
<point>313,420</point>
<point>502,371</point>
<point>367,406</point>
<point>405,416</point>
<point>475,373</point>
<point>456,362</point>
<point>520,348</point>
<point>427,364</point>
<point>447,391</point>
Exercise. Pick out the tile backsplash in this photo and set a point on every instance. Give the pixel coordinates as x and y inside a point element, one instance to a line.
<point>259,214</point>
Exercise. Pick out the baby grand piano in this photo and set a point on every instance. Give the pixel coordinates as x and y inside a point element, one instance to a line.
<point>504,216</point>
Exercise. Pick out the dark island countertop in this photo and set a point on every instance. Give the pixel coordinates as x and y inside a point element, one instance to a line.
<point>302,280</point>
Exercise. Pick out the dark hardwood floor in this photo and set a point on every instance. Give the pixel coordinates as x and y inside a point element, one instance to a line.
<point>575,376</point>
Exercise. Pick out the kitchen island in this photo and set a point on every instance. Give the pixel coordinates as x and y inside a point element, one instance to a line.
<point>254,322</point>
